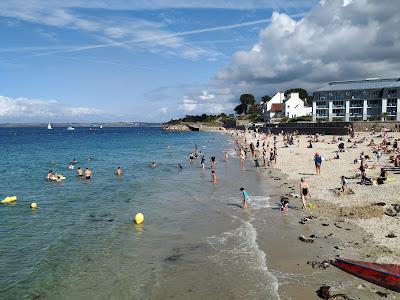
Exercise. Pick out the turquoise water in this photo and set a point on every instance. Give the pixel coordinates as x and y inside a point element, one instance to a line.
<point>82,244</point>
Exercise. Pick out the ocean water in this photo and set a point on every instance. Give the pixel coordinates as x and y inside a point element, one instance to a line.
<point>81,243</point>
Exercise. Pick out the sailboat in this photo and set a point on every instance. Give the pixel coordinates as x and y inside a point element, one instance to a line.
<point>101,126</point>
<point>49,126</point>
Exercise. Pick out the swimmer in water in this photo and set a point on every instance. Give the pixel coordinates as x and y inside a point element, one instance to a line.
<point>58,178</point>
<point>180,167</point>
<point>118,171</point>
<point>71,166</point>
<point>202,162</point>
<point>74,161</point>
<point>80,172</point>
<point>213,177</point>
<point>49,175</point>
<point>245,198</point>
<point>88,173</point>
<point>153,164</point>
<point>212,162</point>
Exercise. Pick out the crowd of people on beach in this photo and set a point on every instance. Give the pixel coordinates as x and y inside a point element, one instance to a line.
<point>262,148</point>
<point>258,145</point>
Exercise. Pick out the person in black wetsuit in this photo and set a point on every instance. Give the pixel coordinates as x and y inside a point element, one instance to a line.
<point>304,191</point>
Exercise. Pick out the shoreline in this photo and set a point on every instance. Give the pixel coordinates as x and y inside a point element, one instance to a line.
<point>335,238</point>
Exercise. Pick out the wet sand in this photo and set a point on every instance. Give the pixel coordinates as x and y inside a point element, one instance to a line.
<point>338,230</point>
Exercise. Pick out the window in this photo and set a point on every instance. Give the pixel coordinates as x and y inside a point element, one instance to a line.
<point>321,98</point>
<point>348,93</point>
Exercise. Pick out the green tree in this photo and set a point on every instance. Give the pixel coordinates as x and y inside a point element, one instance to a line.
<point>303,94</point>
<point>255,108</point>
<point>265,99</point>
<point>240,109</point>
<point>247,99</point>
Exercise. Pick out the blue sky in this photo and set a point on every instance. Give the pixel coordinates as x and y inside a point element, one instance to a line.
<point>127,60</point>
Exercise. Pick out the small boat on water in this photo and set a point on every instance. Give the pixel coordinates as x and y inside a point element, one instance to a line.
<point>49,126</point>
<point>70,128</point>
<point>385,275</point>
<point>101,126</point>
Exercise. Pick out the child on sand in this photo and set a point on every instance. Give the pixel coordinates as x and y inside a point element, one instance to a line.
<point>284,206</point>
<point>245,197</point>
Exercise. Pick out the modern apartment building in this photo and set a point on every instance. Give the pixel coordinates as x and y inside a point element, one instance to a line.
<point>355,100</point>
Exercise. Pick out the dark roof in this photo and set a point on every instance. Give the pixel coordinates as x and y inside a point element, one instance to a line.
<point>276,107</point>
<point>361,84</point>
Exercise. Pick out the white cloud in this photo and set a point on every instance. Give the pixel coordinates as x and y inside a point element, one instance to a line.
<point>347,2</point>
<point>218,101</point>
<point>337,40</point>
<point>25,109</point>
<point>206,95</point>
<point>163,110</point>
<point>111,30</point>
<point>188,105</point>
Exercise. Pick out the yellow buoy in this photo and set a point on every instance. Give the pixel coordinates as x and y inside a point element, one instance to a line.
<point>139,218</point>
<point>9,199</point>
<point>34,205</point>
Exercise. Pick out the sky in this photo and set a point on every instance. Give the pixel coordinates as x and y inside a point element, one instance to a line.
<point>153,60</point>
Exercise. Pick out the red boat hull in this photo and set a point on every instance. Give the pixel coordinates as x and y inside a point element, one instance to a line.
<point>385,275</point>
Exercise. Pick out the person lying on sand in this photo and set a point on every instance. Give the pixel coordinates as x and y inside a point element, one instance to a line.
<point>364,178</point>
<point>382,177</point>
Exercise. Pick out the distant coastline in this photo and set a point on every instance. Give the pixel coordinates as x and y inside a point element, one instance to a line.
<point>80,125</point>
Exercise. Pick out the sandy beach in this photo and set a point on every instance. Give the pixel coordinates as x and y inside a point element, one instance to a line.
<point>350,225</point>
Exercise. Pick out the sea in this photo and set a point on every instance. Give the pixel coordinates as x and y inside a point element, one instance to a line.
<point>81,242</point>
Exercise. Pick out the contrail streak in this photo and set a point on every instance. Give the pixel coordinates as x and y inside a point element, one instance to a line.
<point>177,34</point>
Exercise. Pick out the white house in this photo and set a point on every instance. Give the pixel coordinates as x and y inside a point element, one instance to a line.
<point>273,106</point>
<point>280,106</point>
